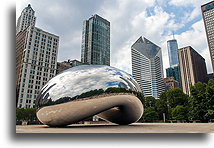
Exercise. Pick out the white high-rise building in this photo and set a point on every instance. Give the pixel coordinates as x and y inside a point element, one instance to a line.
<point>147,67</point>
<point>26,19</point>
<point>36,63</point>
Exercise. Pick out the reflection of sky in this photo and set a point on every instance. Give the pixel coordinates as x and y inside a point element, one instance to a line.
<point>118,73</point>
<point>113,83</point>
<point>80,79</point>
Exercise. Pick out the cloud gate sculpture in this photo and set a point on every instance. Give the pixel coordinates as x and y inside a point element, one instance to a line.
<point>84,91</point>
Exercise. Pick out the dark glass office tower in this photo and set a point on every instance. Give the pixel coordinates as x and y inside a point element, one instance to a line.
<point>96,41</point>
<point>174,72</point>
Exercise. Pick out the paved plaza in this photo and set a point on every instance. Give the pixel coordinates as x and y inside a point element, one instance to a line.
<point>113,128</point>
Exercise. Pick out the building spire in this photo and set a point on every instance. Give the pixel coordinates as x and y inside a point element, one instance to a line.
<point>173,34</point>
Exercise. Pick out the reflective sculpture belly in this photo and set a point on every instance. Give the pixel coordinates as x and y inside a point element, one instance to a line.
<point>84,91</point>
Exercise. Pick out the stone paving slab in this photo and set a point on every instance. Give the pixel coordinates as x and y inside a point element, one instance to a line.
<point>113,128</point>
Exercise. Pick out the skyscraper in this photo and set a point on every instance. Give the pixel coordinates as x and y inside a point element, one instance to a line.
<point>147,67</point>
<point>192,66</point>
<point>96,41</point>
<point>208,17</point>
<point>172,52</point>
<point>26,19</point>
<point>36,63</point>
<point>174,72</point>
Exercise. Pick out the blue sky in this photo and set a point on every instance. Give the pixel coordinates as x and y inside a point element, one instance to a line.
<point>130,19</point>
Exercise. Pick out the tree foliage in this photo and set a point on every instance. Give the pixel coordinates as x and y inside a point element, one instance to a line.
<point>180,113</point>
<point>176,97</point>
<point>173,103</point>
<point>149,102</point>
<point>26,114</point>
<point>150,114</point>
<point>168,100</point>
<point>161,108</point>
<point>201,101</point>
<point>210,99</point>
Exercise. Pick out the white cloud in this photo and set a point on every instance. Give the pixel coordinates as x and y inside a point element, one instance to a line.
<point>196,37</point>
<point>195,5</point>
<point>129,20</point>
<point>188,3</point>
<point>123,33</point>
<point>126,29</point>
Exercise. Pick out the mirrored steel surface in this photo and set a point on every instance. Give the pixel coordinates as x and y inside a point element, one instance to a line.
<point>77,80</point>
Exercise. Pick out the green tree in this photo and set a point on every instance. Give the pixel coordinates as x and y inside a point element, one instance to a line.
<point>20,114</point>
<point>180,113</point>
<point>176,97</point>
<point>161,105</point>
<point>210,100</point>
<point>161,108</point>
<point>169,100</point>
<point>140,96</point>
<point>150,114</point>
<point>149,102</point>
<point>198,102</point>
<point>26,114</point>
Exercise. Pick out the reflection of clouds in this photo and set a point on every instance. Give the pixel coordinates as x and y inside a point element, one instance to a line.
<point>112,83</point>
<point>80,79</point>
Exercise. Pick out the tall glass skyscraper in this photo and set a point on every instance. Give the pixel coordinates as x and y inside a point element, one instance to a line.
<point>173,70</point>
<point>173,52</point>
<point>96,41</point>
<point>147,67</point>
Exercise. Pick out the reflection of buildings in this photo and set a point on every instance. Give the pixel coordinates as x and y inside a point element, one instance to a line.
<point>61,66</point>
<point>192,67</point>
<point>76,94</point>
<point>36,59</point>
<point>170,83</point>
<point>173,70</point>
<point>208,17</point>
<point>96,41</point>
<point>147,68</point>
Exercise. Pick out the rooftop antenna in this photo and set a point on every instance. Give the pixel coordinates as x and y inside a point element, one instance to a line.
<point>173,34</point>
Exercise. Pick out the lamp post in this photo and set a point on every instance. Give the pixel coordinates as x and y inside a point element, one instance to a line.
<point>164,117</point>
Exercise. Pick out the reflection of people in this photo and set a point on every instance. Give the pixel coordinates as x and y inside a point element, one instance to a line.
<point>95,118</point>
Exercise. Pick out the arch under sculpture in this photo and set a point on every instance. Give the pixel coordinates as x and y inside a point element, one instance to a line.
<point>83,91</point>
